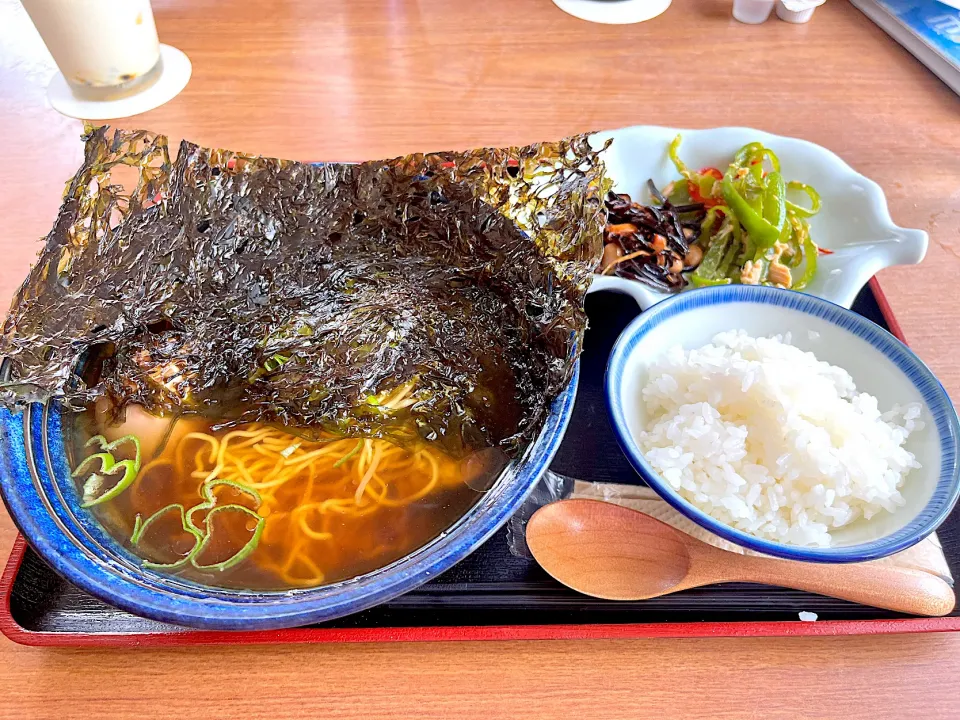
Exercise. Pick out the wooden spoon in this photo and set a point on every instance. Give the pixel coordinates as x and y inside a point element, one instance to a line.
<point>609,551</point>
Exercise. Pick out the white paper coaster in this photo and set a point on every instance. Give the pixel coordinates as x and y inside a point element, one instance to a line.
<point>175,75</point>
<point>613,12</point>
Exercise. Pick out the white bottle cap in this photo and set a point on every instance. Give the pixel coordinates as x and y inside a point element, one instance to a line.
<point>752,12</point>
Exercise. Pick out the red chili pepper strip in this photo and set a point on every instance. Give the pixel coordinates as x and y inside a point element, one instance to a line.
<point>695,189</point>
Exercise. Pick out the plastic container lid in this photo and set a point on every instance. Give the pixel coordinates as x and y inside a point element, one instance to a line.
<point>797,11</point>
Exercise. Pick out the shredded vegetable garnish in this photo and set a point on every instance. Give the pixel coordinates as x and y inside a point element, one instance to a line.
<point>752,233</point>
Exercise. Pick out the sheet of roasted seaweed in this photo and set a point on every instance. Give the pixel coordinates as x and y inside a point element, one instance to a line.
<point>255,289</point>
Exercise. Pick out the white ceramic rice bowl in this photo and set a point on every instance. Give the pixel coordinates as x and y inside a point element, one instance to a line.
<point>879,364</point>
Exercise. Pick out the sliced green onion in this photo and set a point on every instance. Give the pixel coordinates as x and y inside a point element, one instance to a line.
<point>140,527</point>
<point>108,466</point>
<point>200,534</point>
<point>349,455</point>
<point>210,500</point>
<point>289,450</point>
<point>241,554</point>
<point>209,485</point>
<point>107,462</point>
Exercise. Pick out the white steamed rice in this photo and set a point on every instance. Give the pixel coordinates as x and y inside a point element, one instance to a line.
<point>766,438</point>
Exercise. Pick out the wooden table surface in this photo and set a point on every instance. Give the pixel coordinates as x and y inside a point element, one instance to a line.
<point>357,79</point>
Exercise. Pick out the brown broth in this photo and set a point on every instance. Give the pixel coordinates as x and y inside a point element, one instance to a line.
<point>314,529</point>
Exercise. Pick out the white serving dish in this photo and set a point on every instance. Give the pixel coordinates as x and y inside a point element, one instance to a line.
<point>854,222</point>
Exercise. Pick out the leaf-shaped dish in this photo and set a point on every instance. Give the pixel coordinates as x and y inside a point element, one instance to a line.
<point>854,223</point>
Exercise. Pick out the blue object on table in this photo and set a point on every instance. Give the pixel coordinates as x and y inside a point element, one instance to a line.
<point>929,29</point>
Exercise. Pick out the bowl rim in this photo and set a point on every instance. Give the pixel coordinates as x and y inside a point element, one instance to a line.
<point>23,472</point>
<point>947,425</point>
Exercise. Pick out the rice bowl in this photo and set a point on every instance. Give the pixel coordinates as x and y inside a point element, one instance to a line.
<point>879,364</point>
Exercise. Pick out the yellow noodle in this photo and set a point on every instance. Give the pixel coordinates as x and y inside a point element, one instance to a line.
<point>322,500</point>
<point>310,532</point>
<point>374,462</point>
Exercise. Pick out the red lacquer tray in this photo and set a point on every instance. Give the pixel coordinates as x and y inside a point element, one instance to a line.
<point>493,595</point>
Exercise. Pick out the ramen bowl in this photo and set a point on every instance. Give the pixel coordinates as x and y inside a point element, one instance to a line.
<point>44,501</point>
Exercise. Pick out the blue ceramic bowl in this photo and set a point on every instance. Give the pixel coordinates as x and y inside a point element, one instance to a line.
<point>43,501</point>
<point>880,365</point>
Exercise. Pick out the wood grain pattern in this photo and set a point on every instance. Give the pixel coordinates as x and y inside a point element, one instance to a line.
<point>353,79</point>
<point>618,553</point>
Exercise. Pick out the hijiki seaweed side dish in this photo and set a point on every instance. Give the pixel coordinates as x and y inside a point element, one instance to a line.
<point>301,347</point>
